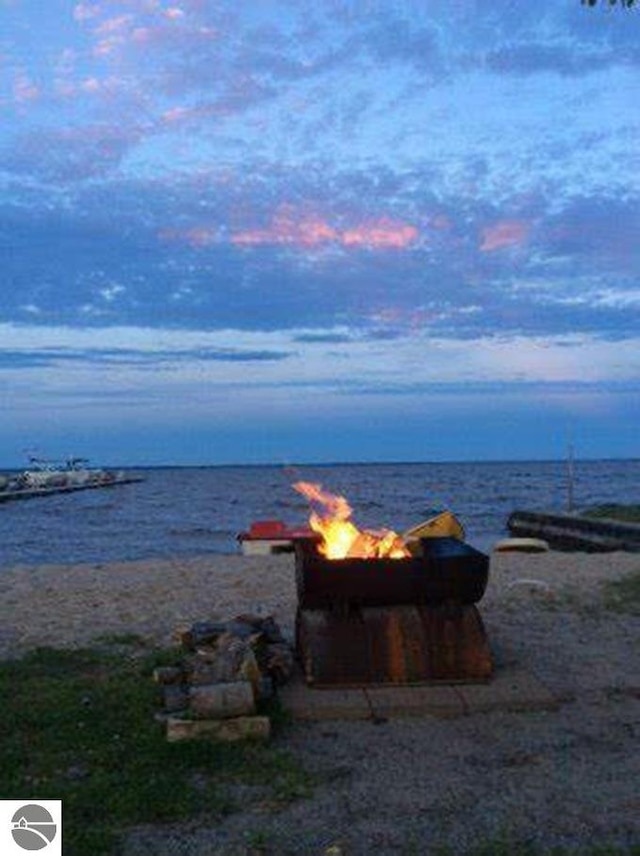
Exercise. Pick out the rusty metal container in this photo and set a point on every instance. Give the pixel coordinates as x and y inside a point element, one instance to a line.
<point>444,569</point>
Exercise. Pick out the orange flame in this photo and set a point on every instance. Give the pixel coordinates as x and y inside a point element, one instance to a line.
<point>341,539</point>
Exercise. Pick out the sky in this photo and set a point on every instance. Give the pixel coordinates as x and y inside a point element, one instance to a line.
<point>251,231</point>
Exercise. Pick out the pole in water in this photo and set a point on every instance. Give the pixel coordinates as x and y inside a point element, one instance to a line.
<point>570,479</point>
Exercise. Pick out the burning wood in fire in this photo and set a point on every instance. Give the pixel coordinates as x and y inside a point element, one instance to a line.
<point>340,537</point>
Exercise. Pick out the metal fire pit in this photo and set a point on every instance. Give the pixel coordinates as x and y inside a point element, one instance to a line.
<point>392,621</point>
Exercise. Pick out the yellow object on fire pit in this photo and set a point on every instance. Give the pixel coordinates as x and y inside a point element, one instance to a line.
<point>442,525</point>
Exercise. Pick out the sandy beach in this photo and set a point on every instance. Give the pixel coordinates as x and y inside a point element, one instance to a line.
<point>564,778</point>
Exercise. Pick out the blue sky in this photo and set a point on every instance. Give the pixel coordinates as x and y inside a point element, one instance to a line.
<point>319,231</point>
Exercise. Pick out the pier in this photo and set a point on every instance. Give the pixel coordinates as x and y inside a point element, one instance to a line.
<point>576,532</point>
<point>33,492</point>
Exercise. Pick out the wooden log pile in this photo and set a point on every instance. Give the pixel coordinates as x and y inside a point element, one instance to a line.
<point>226,670</point>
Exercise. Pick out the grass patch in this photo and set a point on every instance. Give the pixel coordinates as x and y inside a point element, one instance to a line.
<point>623,595</point>
<point>614,511</point>
<point>78,726</point>
<point>506,846</point>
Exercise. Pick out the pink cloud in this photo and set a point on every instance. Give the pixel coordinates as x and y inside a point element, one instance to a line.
<point>107,46</point>
<point>86,11</point>
<point>143,35</point>
<point>142,24</point>
<point>114,25</point>
<point>503,234</point>
<point>285,228</point>
<point>289,228</point>
<point>176,114</point>
<point>91,85</point>
<point>24,89</point>
<point>381,234</point>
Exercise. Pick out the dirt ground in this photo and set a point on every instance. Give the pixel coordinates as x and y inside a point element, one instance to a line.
<point>506,781</point>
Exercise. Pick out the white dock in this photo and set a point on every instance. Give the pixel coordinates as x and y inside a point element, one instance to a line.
<point>32,492</point>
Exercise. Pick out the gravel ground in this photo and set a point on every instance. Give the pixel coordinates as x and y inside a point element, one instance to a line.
<point>567,778</point>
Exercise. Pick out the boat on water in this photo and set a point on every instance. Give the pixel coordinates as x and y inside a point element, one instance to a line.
<point>43,477</point>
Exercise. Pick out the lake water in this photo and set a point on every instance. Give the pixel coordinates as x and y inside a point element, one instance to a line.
<point>193,511</point>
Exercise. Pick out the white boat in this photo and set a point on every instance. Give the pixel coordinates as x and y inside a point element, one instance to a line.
<point>43,477</point>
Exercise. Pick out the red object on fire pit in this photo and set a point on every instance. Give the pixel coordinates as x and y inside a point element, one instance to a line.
<point>392,621</point>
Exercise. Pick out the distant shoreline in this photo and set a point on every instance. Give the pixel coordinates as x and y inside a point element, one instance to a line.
<point>10,468</point>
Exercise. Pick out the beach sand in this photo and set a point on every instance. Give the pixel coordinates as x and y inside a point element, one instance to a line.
<point>568,777</point>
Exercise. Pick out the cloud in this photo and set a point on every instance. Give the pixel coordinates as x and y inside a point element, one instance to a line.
<point>70,154</point>
<point>289,227</point>
<point>504,234</point>
<point>86,11</point>
<point>232,166</point>
<point>24,89</point>
<point>383,233</point>
<point>397,39</point>
<point>324,338</point>
<point>46,357</point>
<point>69,358</point>
<point>535,58</point>
<point>599,228</point>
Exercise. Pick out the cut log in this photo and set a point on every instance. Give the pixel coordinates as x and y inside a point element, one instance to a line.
<point>279,662</point>
<point>226,730</point>
<point>221,701</point>
<point>229,661</point>
<point>250,671</point>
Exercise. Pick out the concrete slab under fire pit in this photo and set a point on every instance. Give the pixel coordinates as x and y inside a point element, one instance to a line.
<point>511,689</point>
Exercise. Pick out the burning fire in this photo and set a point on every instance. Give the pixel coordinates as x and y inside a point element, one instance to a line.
<point>341,539</point>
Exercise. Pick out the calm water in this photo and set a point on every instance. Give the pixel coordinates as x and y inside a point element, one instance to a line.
<point>179,512</point>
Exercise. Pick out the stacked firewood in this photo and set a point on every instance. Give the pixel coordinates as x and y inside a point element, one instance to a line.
<point>227,669</point>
